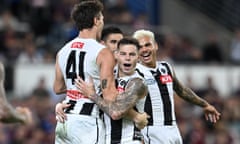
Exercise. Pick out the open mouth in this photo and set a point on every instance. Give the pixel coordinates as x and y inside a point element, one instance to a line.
<point>146,54</point>
<point>127,65</point>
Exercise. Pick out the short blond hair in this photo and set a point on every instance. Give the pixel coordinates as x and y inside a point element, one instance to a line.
<point>142,33</point>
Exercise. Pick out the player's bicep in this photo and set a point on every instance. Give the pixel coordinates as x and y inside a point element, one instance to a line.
<point>106,64</point>
<point>137,87</point>
<point>59,84</point>
<point>135,90</point>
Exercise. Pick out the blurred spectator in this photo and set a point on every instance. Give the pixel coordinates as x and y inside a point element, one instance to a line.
<point>209,88</point>
<point>212,52</point>
<point>141,22</point>
<point>11,46</point>
<point>30,55</point>
<point>197,132</point>
<point>57,35</point>
<point>231,113</point>
<point>187,52</point>
<point>210,93</point>
<point>167,44</point>
<point>117,12</point>
<point>235,47</point>
<point>40,17</point>
<point>223,135</point>
<point>3,134</point>
<point>45,25</point>
<point>8,21</point>
<point>236,91</point>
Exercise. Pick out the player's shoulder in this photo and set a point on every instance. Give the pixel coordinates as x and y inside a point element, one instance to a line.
<point>163,63</point>
<point>94,43</point>
<point>66,45</point>
<point>136,79</point>
<point>135,83</point>
<point>138,84</point>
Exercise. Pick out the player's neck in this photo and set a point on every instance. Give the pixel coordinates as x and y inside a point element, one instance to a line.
<point>122,74</point>
<point>88,34</point>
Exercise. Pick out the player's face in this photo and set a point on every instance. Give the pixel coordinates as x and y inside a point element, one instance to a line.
<point>147,51</point>
<point>112,41</point>
<point>127,58</point>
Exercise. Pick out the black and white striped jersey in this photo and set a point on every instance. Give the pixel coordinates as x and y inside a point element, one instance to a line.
<point>123,130</point>
<point>159,102</point>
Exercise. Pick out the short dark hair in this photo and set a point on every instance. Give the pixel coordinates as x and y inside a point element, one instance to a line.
<point>84,12</point>
<point>128,40</point>
<point>110,30</point>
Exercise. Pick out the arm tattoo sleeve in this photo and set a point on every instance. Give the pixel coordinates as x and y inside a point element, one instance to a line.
<point>124,101</point>
<point>187,94</point>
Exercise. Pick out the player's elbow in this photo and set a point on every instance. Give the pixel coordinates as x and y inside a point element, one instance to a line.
<point>59,90</point>
<point>56,90</point>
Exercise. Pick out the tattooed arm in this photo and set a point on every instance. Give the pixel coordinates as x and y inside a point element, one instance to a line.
<point>187,94</point>
<point>134,90</point>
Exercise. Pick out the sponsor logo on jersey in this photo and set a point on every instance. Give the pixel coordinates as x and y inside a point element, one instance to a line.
<point>77,45</point>
<point>120,89</point>
<point>165,79</point>
<point>75,95</point>
<point>149,81</point>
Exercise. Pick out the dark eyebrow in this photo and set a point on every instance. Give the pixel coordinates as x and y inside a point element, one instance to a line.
<point>113,41</point>
<point>146,45</point>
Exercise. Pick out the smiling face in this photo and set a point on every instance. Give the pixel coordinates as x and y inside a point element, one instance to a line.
<point>127,57</point>
<point>147,51</point>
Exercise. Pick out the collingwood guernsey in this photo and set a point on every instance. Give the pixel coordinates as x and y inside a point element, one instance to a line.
<point>159,103</point>
<point>124,131</point>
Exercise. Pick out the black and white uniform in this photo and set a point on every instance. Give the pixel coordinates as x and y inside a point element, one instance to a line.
<point>84,124</point>
<point>124,131</point>
<point>162,127</point>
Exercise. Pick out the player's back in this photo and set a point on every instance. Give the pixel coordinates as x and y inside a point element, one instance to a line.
<point>78,57</point>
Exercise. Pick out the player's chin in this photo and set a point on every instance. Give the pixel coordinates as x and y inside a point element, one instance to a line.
<point>128,71</point>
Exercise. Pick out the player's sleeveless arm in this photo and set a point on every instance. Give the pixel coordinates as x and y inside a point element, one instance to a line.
<point>7,113</point>
<point>106,63</point>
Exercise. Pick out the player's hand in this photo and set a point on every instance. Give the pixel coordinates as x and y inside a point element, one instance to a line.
<point>87,89</point>
<point>141,120</point>
<point>59,110</point>
<point>211,114</point>
<point>26,113</point>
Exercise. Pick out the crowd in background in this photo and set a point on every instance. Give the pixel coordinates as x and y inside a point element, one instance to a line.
<point>32,31</point>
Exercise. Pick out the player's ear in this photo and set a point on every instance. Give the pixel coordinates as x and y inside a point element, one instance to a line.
<point>97,20</point>
<point>156,45</point>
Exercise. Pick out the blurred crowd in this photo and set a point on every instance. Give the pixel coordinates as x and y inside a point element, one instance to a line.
<point>32,31</point>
